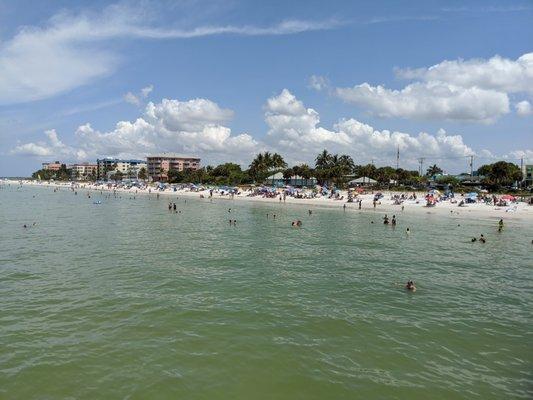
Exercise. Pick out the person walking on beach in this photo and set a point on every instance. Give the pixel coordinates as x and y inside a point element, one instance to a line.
<point>374,203</point>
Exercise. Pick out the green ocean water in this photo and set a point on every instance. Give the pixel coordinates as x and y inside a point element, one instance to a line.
<point>124,300</point>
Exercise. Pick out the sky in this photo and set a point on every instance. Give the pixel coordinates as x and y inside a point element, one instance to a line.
<point>224,80</point>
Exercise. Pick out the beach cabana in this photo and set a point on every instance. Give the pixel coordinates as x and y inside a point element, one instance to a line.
<point>362,181</point>
<point>275,180</point>
<point>299,181</point>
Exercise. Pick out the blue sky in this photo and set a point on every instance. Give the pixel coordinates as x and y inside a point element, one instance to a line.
<point>242,77</point>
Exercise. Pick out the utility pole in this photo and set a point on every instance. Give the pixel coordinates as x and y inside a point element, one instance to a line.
<point>421,161</point>
<point>398,158</point>
<point>522,171</point>
<point>471,166</point>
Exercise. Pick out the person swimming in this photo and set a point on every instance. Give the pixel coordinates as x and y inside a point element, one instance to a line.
<point>473,240</point>
<point>410,285</point>
<point>482,239</point>
<point>407,231</point>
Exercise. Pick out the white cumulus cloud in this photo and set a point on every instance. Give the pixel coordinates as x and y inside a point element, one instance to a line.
<point>295,130</point>
<point>52,147</point>
<point>193,127</point>
<point>523,108</point>
<point>136,99</point>
<point>431,100</point>
<point>473,90</point>
<point>497,73</point>
<point>197,127</point>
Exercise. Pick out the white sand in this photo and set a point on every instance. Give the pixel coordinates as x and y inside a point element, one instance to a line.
<point>515,211</point>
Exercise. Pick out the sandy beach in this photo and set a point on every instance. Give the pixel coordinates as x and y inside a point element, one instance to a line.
<point>513,211</point>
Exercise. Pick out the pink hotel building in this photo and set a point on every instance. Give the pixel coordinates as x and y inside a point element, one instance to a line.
<point>159,165</point>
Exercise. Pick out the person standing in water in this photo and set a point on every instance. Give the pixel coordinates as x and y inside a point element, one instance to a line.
<point>500,225</point>
<point>393,220</point>
<point>410,286</point>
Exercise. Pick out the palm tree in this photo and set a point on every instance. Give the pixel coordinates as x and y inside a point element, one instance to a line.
<point>433,170</point>
<point>347,163</point>
<point>277,161</point>
<point>287,174</point>
<point>265,163</point>
<point>323,160</point>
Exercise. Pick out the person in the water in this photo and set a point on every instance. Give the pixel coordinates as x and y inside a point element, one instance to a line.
<point>410,285</point>
<point>500,225</point>
<point>386,219</point>
<point>482,239</point>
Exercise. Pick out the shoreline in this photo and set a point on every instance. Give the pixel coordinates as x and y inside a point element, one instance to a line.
<point>515,211</point>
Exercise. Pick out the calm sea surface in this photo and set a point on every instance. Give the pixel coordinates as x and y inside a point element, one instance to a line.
<point>125,300</point>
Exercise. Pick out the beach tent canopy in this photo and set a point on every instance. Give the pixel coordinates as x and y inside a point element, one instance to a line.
<point>508,197</point>
<point>276,176</point>
<point>363,180</point>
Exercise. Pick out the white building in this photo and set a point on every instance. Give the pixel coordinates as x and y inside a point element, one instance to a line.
<point>109,166</point>
<point>82,171</point>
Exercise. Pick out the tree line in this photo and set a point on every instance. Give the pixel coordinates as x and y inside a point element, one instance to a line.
<point>329,169</point>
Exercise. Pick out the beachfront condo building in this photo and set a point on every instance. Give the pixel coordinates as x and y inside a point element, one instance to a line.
<point>159,165</point>
<point>52,166</point>
<point>128,168</point>
<point>82,171</point>
<point>527,174</point>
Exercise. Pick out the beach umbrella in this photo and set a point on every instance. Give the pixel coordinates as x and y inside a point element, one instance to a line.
<point>508,197</point>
